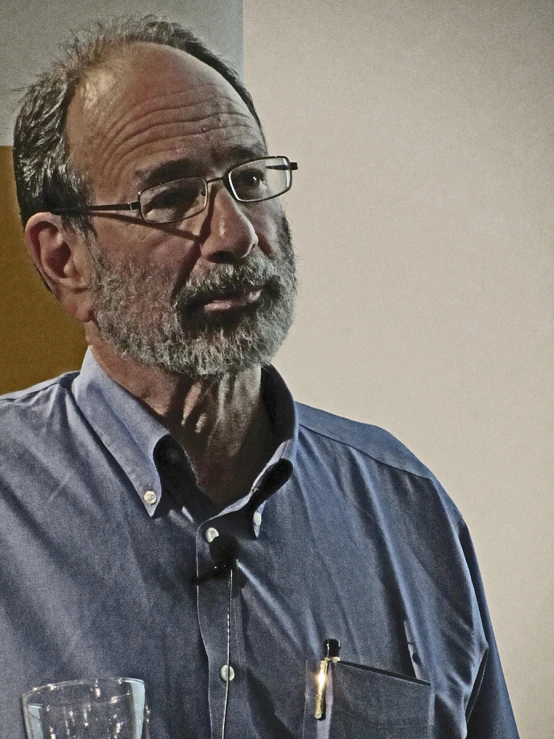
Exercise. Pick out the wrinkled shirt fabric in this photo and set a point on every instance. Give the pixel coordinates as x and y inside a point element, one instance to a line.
<point>344,535</point>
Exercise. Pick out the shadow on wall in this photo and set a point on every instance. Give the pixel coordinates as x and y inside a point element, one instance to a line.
<point>37,339</point>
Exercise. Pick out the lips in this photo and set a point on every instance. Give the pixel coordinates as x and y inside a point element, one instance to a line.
<point>227,299</point>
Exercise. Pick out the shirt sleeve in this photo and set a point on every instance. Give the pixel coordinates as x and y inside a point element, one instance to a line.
<point>489,713</point>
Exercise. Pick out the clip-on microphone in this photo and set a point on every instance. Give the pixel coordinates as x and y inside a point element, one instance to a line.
<point>224,550</point>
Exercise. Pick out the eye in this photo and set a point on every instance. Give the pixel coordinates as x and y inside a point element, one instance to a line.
<point>249,181</point>
<point>173,200</point>
<point>251,177</point>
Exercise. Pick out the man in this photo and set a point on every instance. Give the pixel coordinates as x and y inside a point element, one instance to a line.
<point>170,513</point>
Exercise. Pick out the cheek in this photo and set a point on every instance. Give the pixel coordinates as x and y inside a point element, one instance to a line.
<point>146,246</point>
<point>267,223</point>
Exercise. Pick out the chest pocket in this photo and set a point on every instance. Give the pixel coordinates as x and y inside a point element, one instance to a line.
<point>366,703</point>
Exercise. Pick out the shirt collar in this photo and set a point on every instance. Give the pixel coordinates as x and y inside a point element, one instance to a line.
<point>282,413</point>
<point>124,425</point>
<point>131,433</point>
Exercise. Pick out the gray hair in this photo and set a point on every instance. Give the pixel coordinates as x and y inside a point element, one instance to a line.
<point>46,178</point>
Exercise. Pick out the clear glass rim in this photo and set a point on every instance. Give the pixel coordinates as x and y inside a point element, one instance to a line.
<point>50,687</point>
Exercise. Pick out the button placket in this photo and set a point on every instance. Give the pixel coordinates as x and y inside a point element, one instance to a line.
<point>212,605</point>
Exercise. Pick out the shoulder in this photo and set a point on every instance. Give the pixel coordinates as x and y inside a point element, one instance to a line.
<point>371,441</point>
<point>374,470</point>
<point>38,391</point>
<point>36,402</point>
<point>36,434</point>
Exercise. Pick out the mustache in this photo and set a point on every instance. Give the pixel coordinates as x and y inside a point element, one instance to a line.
<point>255,272</point>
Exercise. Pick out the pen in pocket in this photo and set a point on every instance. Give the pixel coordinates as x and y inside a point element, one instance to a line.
<point>331,654</point>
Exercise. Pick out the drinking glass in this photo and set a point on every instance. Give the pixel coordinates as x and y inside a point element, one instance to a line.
<point>98,708</point>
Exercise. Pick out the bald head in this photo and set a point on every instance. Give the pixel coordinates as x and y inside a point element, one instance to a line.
<point>150,104</point>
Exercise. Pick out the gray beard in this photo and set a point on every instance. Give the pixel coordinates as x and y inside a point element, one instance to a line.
<point>133,314</point>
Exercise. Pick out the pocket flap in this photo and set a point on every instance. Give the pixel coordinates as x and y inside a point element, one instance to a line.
<point>366,702</point>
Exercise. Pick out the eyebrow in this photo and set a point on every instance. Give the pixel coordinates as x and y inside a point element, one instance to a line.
<point>188,167</point>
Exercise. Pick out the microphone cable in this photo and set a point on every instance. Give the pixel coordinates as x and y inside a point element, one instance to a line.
<point>224,550</point>
<point>228,666</point>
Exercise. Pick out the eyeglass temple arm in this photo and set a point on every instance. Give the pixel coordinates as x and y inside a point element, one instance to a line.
<point>135,205</point>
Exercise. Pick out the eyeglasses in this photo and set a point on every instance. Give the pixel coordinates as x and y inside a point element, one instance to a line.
<point>250,182</point>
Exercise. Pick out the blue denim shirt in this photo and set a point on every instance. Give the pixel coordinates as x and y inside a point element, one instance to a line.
<point>344,535</point>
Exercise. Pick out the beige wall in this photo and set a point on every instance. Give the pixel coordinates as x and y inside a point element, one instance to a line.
<point>423,218</point>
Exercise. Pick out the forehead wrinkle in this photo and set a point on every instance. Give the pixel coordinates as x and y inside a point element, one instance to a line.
<point>148,131</point>
<point>178,100</point>
<point>220,105</point>
<point>159,145</point>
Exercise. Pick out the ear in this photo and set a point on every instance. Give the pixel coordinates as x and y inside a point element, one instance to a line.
<point>62,257</point>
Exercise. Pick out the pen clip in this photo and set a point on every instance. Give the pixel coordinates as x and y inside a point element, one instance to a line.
<point>331,651</point>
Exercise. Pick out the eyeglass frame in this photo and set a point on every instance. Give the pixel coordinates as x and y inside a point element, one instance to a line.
<point>225,178</point>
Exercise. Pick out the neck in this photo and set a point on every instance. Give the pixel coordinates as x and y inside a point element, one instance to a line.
<point>222,424</point>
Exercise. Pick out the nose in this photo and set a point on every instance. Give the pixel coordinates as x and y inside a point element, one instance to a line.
<point>228,234</point>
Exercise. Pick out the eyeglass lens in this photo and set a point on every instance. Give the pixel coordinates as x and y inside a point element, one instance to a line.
<point>174,201</point>
<point>249,182</point>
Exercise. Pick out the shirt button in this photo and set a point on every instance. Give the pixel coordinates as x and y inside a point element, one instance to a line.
<point>211,534</point>
<point>150,497</point>
<point>227,674</point>
<point>257,518</point>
